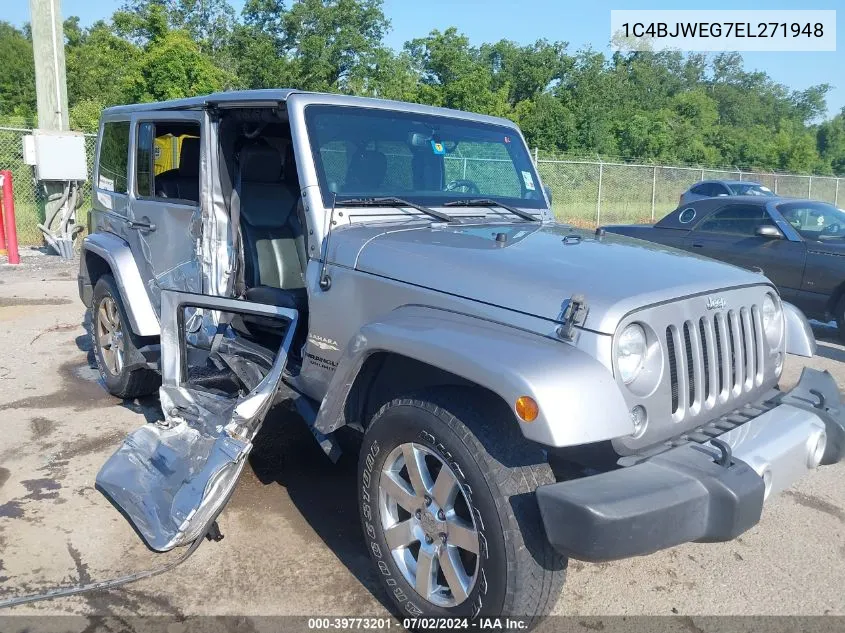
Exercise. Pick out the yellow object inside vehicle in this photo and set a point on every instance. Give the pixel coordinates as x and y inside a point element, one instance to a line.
<point>167,150</point>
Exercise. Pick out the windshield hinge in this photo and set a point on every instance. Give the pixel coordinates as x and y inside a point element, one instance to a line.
<point>573,314</point>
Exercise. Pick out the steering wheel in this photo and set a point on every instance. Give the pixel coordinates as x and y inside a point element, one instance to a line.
<point>832,229</point>
<point>467,186</point>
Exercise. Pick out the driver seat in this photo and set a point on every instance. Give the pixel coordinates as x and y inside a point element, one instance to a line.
<point>273,242</point>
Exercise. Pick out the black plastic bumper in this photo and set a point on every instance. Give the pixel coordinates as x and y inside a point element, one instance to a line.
<point>677,496</point>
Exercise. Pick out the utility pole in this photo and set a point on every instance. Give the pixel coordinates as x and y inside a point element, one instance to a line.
<point>61,188</point>
<point>48,45</point>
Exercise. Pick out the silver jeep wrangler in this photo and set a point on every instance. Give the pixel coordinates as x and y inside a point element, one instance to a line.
<point>525,392</point>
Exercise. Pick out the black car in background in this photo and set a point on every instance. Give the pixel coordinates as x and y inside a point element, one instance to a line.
<point>798,244</point>
<point>716,188</point>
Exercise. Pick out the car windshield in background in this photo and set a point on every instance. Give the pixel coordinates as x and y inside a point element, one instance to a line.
<point>814,220</point>
<point>428,160</point>
<point>750,189</point>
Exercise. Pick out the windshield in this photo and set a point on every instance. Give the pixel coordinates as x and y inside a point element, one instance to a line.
<point>814,220</point>
<point>428,160</point>
<point>750,189</point>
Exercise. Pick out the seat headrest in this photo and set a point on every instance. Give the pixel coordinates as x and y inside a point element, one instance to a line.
<point>366,170</point>
<point>189,157</point>
<point>260,163</point>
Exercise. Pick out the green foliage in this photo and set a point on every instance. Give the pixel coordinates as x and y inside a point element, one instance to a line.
<point>649,106</point>
<point>101,66</point>
<point>17,79</point>
<point>174,67</point>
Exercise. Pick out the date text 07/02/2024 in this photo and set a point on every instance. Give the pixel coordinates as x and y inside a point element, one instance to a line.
<point>325,624</point>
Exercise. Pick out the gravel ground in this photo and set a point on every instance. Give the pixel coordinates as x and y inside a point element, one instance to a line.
<point>292,544</point>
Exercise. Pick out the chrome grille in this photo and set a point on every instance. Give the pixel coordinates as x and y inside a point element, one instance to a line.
<point>714,359</point>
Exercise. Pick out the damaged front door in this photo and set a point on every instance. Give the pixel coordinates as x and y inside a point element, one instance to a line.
<point>222,365</point>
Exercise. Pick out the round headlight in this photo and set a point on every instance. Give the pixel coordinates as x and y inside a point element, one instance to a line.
<point>772,320</point>
<point>630,352</point>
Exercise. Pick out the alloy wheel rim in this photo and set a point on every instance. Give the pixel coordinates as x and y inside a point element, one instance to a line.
<point>110,335</point>
<point>429,525</point>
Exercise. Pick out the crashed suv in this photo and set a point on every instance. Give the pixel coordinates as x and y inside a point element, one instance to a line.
<point>525,392</point>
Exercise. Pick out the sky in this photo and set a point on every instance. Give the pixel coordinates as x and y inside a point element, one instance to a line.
<point>581,24</point>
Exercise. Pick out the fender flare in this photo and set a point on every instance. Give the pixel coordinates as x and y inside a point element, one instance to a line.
<point>578,397</point>
<point>800,339</point>
<point>118,255</point>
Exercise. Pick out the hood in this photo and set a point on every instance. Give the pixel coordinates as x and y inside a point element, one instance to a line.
<point>534,268</point>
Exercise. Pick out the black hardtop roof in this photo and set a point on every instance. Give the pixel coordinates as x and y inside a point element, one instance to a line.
<point>189,103</point>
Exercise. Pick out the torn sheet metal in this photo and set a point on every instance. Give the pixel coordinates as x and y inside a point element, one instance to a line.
<point>172,479</point>
<point>217,251</point>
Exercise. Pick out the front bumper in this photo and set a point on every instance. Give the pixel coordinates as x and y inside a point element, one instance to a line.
<point>686,494</point>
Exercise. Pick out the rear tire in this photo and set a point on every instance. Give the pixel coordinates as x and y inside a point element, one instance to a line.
<point>476,442</point>
<point>115,345</point>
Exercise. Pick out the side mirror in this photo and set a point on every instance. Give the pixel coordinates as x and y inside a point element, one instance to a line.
<point>767,230</point>
<point>548,191</point>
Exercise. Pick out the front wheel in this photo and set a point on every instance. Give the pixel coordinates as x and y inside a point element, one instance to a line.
<point>448,510</point>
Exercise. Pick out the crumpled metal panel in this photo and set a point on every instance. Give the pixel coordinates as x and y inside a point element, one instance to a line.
<point>217,248</point>
<point>172,479</point>
<point>158,476</point>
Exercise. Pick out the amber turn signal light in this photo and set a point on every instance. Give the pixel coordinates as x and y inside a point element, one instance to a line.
<point>527,409</point>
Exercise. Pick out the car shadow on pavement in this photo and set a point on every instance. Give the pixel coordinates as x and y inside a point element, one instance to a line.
<point>325,494</point>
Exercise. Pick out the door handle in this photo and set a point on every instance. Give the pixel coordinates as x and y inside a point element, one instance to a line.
<point>141,226</point>
<point>697,245</point>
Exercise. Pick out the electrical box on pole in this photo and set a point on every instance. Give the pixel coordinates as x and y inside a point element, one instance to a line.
<point>56,156</point>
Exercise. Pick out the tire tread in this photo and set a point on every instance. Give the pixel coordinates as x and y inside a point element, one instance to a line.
<point>536,571</point>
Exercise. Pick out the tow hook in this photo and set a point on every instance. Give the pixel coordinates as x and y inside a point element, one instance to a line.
<point>726,454</point>
<point>818,394</point>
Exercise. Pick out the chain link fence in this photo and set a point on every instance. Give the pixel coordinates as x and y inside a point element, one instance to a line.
<point>584,192</point>
<point>594,192</point>
<point>30,198</point>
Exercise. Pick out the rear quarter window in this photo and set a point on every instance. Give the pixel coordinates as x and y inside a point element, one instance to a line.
<point>114,157</point>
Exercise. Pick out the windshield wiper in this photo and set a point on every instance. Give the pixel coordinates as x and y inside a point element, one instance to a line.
<point>488,202</point>
<point>394,202</point>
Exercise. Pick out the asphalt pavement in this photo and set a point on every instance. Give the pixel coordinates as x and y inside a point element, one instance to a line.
<point>292,543</point>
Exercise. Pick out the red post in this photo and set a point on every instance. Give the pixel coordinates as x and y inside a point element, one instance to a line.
<point>9,217</point>
<point>2,232</point>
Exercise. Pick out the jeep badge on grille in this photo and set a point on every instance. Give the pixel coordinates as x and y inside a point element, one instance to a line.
<point>716,303</point>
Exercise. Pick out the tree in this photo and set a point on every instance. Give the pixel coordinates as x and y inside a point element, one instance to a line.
<point>453,74</point>
<point>102,68</point>
<point>830,140</point>
<point>645,105</point>
<point>208,22</point>
<point>174,67</point>
<point>17,79</point>
<point>333,44</point>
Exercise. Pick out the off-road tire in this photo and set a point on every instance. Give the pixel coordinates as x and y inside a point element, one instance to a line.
<point>522,574</point>
<point>129,382</point>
